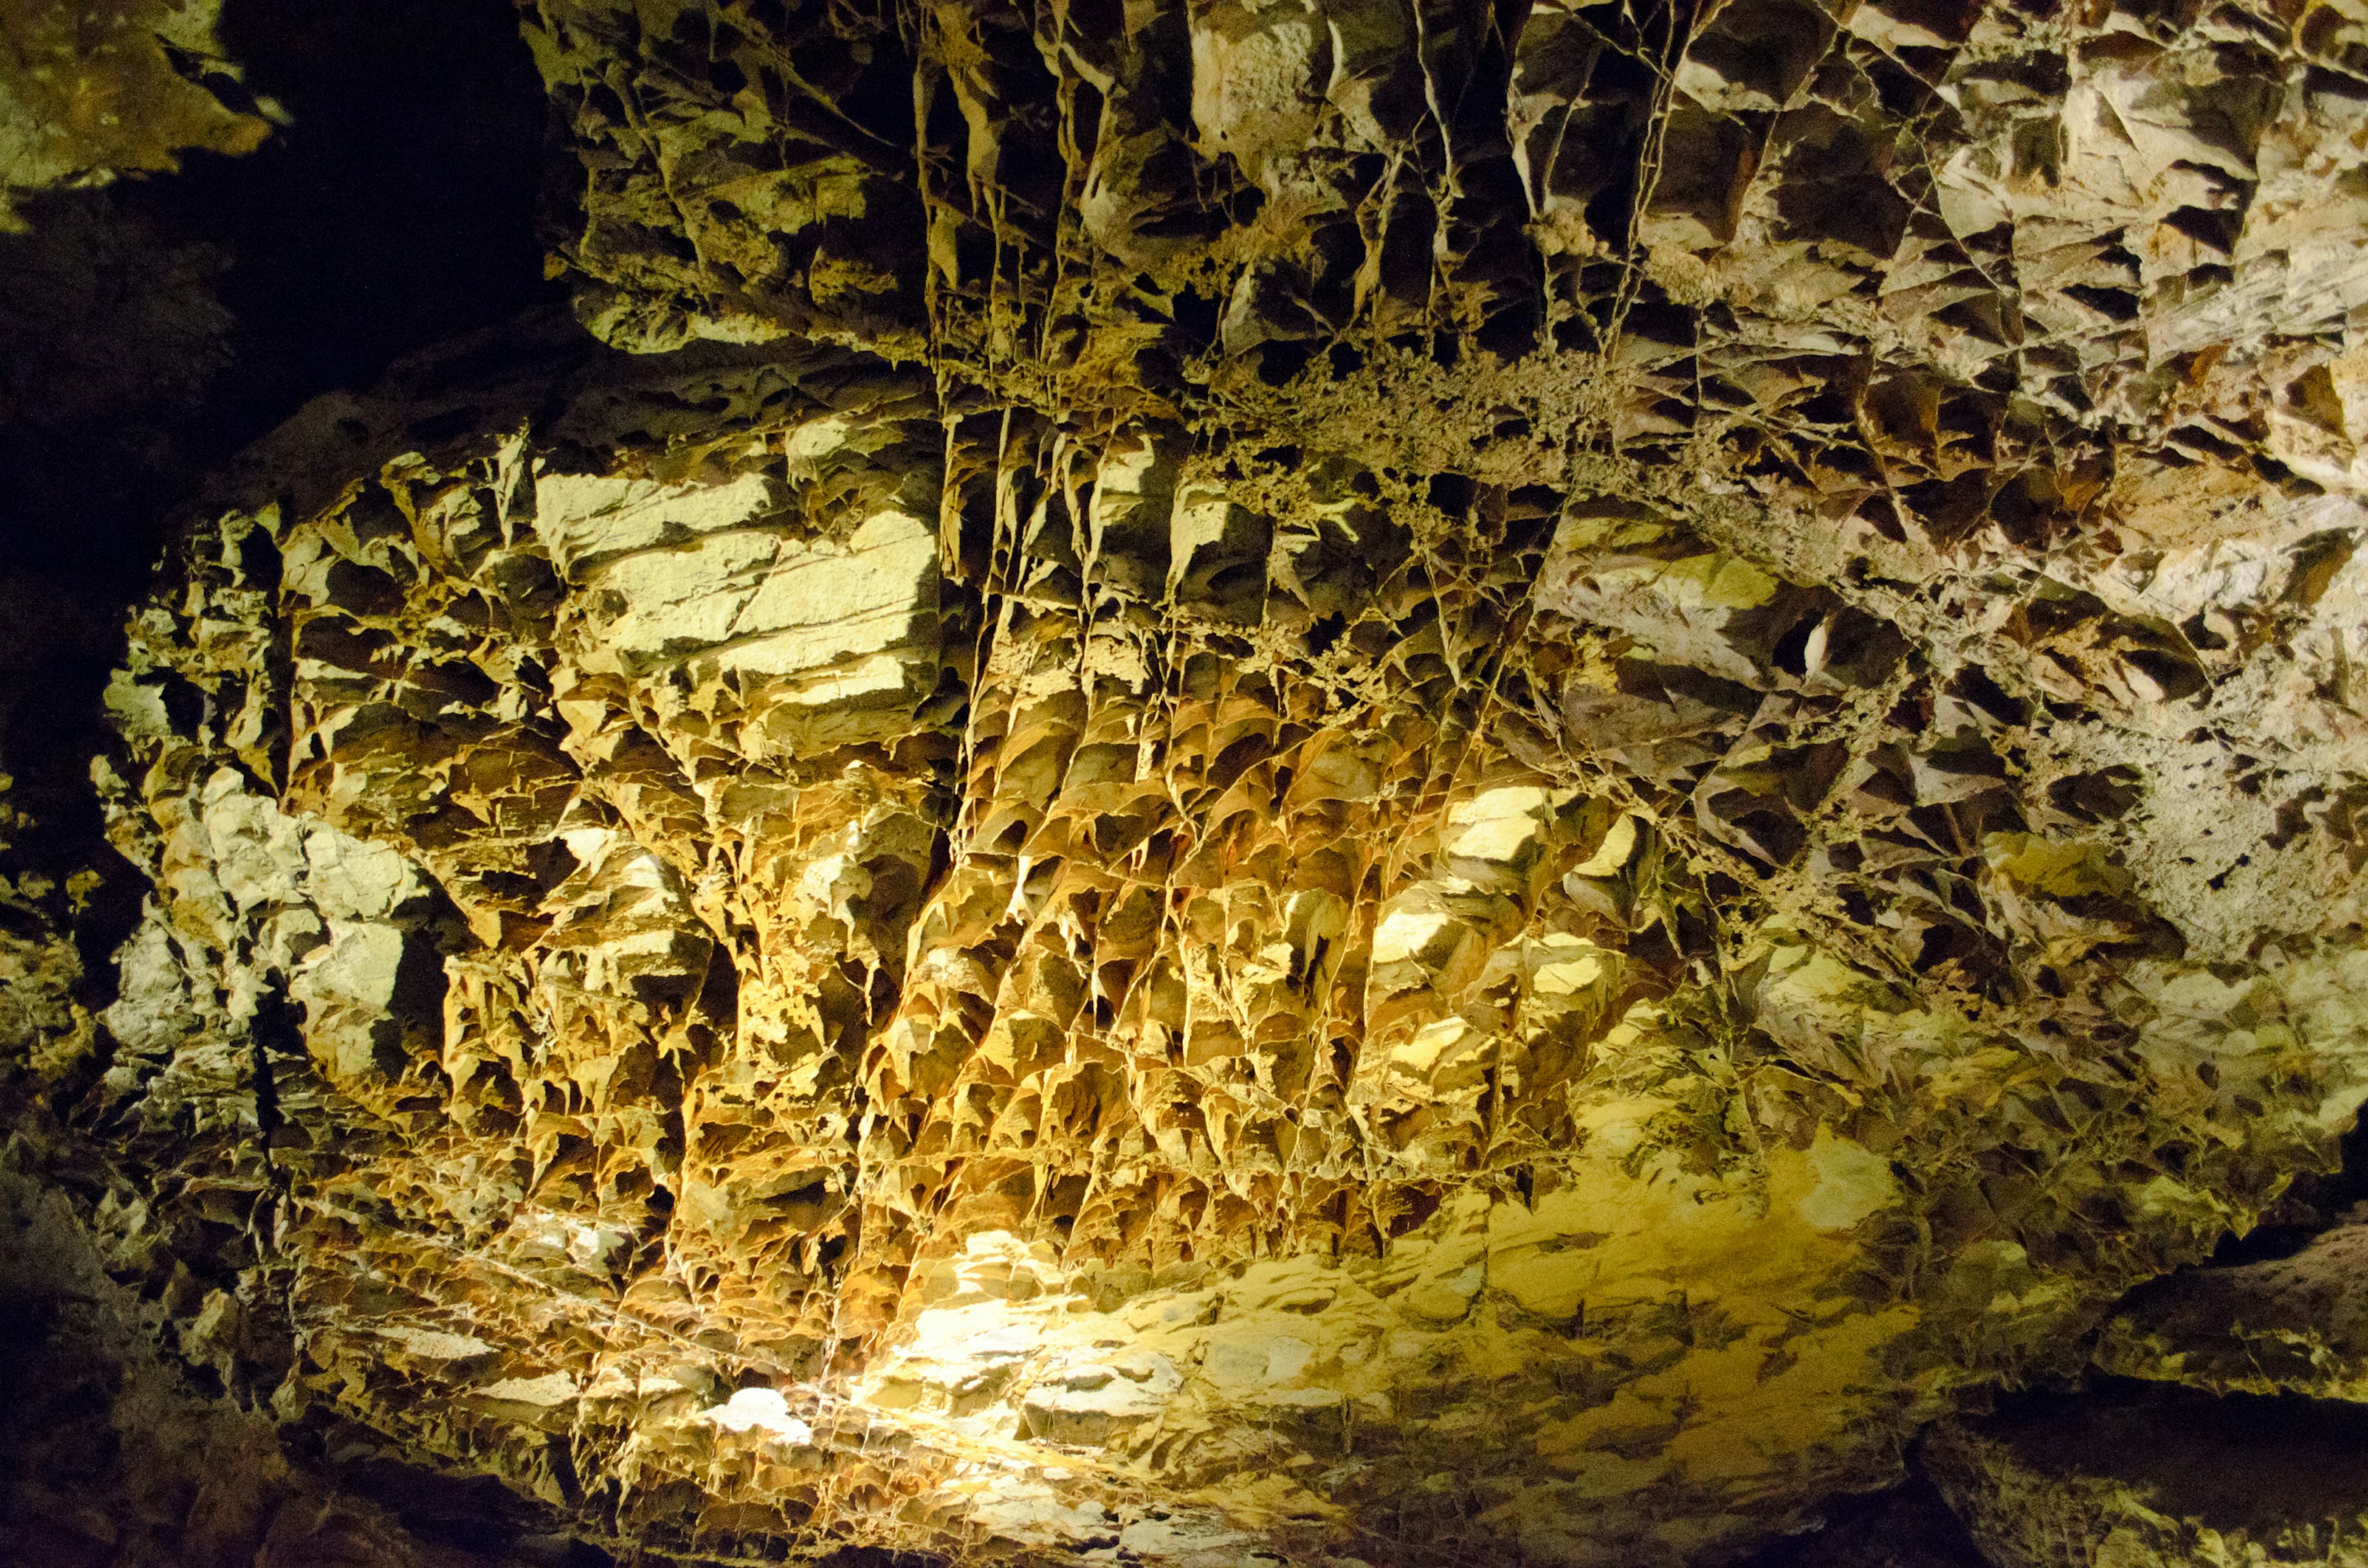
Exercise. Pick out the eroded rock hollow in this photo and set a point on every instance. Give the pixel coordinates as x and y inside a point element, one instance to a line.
<point>1326,782</point>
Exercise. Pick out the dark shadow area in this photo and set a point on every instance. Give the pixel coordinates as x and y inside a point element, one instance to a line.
<point>2248,1461</point>
<point>473,1513</point>
<point>2311,1205</point>
<point>151,328</point>
<point>1907,1525</point>
<point>52,724</point>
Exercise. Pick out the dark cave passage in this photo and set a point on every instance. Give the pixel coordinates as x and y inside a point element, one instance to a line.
<point>152,328</point>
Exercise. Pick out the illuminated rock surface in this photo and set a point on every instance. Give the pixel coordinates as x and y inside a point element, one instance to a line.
<point>1254,783</point>
<point>89,93</point>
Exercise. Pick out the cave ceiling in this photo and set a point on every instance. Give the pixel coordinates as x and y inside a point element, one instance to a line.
<point>1328,782</point>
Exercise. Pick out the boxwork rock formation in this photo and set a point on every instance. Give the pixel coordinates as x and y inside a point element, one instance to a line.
<point>1317,783</point>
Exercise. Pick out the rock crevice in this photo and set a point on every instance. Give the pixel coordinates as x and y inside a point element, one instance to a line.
<point>1348,786</point>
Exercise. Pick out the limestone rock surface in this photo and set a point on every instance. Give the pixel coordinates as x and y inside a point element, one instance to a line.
<point>2298,1324</point>
<point>113,1456</point>
<point>2157,1475</point>
<point>90,92</point>
<point>1342,785</point>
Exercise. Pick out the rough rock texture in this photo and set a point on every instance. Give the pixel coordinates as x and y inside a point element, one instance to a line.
<point>153,326</point>
<point>2296,1325</point>
<point>112,1455</point>
<point>1349,785</point>
<point>2129,1476</point>
<point>89,91</point>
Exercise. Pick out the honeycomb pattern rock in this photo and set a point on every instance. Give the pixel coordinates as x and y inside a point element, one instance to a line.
<point>1323,784</point>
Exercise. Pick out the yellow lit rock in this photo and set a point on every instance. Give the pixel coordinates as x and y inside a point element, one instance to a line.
<point>1262,784</point>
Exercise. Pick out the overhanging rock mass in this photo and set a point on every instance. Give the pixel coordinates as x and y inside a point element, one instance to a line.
<point>1335,785</point>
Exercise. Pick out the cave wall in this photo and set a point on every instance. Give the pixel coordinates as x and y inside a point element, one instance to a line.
<point>1334,785</point>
